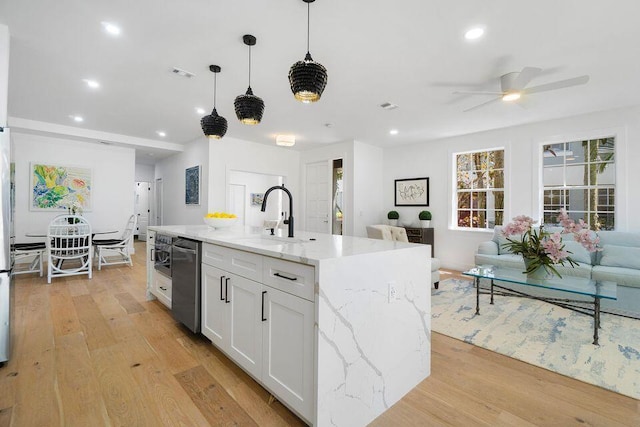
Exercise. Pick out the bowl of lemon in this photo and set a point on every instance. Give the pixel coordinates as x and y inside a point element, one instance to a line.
<point>220,219</point>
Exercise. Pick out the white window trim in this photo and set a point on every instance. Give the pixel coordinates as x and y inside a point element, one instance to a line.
<point>453,181</point>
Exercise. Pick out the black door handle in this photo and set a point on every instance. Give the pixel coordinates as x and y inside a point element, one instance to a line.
<point>262,315</point>
<point>221,278</point>
<point>226,290</point>
<point>285,277</point>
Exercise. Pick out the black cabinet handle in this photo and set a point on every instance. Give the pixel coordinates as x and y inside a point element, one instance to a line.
<point>285,277</point>
<point>221,278</point>
<point>263,294</point>
<point>164,289</point>
<point>226,290</point>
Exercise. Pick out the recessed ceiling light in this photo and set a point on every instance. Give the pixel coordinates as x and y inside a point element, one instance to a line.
<point>200,110</point>
<point>78,119</point>
<point>112,29</point>
<point>150,154</point>
<point>91,83</point>
<point>161,133</point>
<point>328,125</point>
<point>474,33</point>
<point>511,96</point>
<point>393,132</point>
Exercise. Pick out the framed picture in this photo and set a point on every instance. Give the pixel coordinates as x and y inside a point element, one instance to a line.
<point>412,192</point>
<point>192,185</point>
<point>56,187</point>
<point>256,199</point>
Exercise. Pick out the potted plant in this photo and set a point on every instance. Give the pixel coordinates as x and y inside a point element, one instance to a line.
<point>393,216</point>
<point>425,219</point>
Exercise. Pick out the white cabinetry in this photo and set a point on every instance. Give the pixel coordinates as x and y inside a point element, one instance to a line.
<point>253,311</point>
<point>157,284</point>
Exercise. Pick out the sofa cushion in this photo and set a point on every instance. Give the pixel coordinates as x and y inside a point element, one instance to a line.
<point>505,261</point>
<point>578,252</point>
<point>500,239</point>
<point>620,256</point>
<point>622,276</point>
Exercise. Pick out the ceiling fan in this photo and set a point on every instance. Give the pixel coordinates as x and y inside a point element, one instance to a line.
<point>514,85</point>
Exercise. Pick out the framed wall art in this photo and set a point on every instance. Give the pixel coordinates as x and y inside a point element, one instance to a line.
<point>256,199</point>
<point>412,192</point>
<point>192,185</point>
<point>56,187</point>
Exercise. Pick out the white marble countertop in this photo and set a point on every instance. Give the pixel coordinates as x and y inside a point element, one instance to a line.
<point>307,248</point>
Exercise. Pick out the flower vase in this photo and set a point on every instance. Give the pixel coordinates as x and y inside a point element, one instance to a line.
<point>540,273</point>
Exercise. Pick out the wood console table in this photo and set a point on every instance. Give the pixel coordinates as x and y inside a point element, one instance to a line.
<point>421,235</point>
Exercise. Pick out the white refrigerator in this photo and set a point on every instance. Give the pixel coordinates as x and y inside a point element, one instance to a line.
<point>6,240</point>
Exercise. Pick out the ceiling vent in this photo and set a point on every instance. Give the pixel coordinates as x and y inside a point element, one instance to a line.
<point>388,106</point>
<point>183,73</point>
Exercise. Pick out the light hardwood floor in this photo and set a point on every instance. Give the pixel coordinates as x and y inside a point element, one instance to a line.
<point>95,352</point>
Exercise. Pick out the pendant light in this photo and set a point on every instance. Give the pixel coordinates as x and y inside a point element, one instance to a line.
<point>308,78</point>
<point>213,125</point>
<point>249,108</point>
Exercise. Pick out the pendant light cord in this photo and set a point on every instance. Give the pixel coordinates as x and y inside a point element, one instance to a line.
<point>215,80</point>
<point>249,65</point>
<point>308,24</point>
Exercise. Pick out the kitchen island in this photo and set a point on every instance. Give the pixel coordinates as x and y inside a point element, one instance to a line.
<point>337,328</point>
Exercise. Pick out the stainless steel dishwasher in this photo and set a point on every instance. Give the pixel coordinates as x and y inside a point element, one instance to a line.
<point>185,275</point>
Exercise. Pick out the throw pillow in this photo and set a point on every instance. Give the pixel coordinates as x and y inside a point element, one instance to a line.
<point>620,256</point>
<point>578,252</point>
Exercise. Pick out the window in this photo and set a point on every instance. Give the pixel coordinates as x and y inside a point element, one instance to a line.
<point>579,176</point>
<point>480,189</point>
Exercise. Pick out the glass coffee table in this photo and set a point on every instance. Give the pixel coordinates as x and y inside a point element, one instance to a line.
<point>586,293</point>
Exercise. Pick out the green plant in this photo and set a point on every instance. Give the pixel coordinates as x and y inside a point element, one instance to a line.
<point>393,215</point>
<point>424,216</point>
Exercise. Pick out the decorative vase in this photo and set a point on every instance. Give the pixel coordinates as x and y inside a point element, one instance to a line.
<point>425,223</point>
<point>393,222</point>
<point>539,273</point>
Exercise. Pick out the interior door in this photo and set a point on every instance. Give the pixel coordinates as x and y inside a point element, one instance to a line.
<point>318,197</point>
<point>159,201</point>
<point>237,201</point>
<point>142,208</point>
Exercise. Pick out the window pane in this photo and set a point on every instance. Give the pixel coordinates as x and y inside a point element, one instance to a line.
<point>479,180</point>
<point>577,174</point>
<point>479,219</point>
<point>578,200</point>
<point>479,200</point>
<point>605,150</point>
<point>495,199</point>
<point>496,159</point>
<point>553,177</point>
<point>576,151</point>
<point>605,173</point>
<point>464,218</point>
<point>499,219</point>
<point>606,221</point>
<point>464,180</point>
<point>553,154</point>
<point>464,200</point>
<point>464,162</point>
<point>496,178</point>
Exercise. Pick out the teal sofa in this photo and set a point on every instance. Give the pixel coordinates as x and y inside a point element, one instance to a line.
<point>618,261</point>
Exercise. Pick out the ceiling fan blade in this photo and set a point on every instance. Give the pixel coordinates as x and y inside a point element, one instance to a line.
<point>475,92</point>
<point>526,75</point>
<point>558,85</point>
<point>483,104</point>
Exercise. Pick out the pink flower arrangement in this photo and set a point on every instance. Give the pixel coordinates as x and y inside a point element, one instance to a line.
<point>541,249</point>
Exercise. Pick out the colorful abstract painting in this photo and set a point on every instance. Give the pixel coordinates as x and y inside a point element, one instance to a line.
<point>60,187</point>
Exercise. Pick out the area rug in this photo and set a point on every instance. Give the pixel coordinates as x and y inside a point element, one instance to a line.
<point>542,334</point>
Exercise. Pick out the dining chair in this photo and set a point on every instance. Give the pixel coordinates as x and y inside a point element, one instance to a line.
<point>117,251</point>
<point>69,249</point>
<point>31,254</point>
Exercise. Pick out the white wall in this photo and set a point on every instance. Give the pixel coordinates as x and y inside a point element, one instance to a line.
<point>4,73</point>
<point>145,173</point>
<point>230,154</point>
<point>341,150</point>
<point>258,183</point>
<point>172,171</point>
<point>522,144</point>
<point>368,187</point>
<point>112,181</point>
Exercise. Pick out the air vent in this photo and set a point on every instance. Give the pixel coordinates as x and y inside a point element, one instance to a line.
<point>388,106</point>
<point>183,73</point>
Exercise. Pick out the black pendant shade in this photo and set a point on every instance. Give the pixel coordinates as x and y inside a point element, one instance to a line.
<point>308,78</point>
<point>214,126</point>
<point>249,108</point>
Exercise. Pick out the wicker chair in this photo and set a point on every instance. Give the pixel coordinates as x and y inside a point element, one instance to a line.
<point>69,249</point>
<point>117,251</point>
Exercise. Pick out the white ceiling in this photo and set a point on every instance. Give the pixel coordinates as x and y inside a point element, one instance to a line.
<point>408,52</point>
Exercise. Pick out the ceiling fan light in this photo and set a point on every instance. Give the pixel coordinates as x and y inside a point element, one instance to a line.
<point>214,126</point>
<point>511,96</point>
<point>249,108</point>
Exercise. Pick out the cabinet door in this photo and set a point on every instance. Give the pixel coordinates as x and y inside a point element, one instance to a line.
<point>245,334</point>
<point>288,349</point>
<point>214,317</point>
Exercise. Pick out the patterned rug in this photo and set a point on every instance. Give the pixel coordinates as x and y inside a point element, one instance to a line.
<point>542,334</point>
